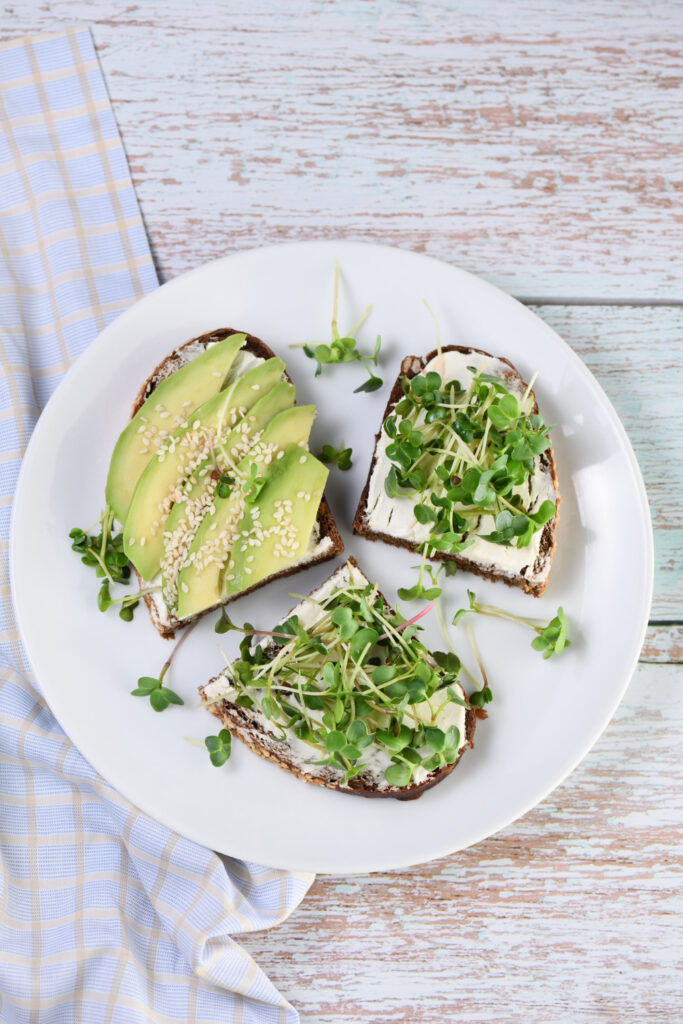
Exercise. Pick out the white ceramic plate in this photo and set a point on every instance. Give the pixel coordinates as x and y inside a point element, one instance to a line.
<point>545,715</point>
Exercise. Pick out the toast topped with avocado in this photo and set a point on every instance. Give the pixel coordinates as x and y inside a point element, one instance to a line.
<point>213,482</point>
<point>463,469</point>
<point>343,694</point>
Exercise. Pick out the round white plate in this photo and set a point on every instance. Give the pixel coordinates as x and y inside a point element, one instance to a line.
<point>545,715</point>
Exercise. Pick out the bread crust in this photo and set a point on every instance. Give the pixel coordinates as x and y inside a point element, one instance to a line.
<point>410,367</point>
<point>240,722</point>
<point>326,525</point>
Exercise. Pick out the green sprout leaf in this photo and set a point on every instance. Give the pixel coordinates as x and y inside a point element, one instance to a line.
<point>219,747</point>
<point>398,775</point>
<point>339,457</point>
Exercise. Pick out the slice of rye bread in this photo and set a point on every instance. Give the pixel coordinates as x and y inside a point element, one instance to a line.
<point>327,527</point>
<point>243,723</point>
<point>410,367</point>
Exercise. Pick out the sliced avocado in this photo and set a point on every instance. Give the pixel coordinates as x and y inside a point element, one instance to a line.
<point>198,496</point>
<point>160,485</point>
<point>167,408</point>
<point>200,582</point>
<point>276,529</point>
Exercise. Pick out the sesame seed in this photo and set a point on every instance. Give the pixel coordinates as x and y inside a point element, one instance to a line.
<point>142,542</point>
<point>184,587</point>
<point>131,541</point>
<point>302,460</point>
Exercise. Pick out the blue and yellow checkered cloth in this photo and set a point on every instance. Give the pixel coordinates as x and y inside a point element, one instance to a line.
<point>105,915</point>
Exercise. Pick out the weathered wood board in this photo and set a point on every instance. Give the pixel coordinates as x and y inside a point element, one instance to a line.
<point>538,143</point>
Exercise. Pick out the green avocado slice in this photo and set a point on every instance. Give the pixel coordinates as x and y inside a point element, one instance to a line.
<point>200,580</point>
<point>276,528</point>
<point>197,496</point>
<point>160,485</point>
<point>167,408</point>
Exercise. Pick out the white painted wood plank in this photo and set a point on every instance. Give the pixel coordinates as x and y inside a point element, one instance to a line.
<point>536,143</point>
<point>664,643</point>
<point>570,915</point>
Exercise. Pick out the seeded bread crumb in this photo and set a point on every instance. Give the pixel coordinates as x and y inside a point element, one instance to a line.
<point>327,527</point>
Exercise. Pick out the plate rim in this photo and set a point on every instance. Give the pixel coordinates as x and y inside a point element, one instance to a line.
<point>337,247</point>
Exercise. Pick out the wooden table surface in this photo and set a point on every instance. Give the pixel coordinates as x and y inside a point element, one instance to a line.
<point>539,145</point>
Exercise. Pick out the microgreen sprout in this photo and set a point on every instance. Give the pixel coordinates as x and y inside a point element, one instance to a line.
<point>482,696</point>
<point>339,457</point>
<point>161,696</point>
<point>358,676</point>
<point>103,552</point>
<point>219,747</point>
<point>224,486</point>
<point>551,637</point>
<point>344,349</point>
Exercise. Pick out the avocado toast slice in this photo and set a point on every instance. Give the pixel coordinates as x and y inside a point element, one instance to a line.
<point>324,541</point>
<point>343,694</point>
<point>463,469</point>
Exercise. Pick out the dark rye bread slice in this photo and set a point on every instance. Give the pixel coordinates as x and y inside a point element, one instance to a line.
<point>243,724</point>
<point>410,367</point>
<point>325,520</point>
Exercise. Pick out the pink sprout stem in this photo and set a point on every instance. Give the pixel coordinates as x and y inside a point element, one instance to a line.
<point>427,608</point>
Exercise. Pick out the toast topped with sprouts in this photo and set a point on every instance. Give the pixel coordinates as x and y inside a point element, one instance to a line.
<point>463,469</point>
<point>343,694</point>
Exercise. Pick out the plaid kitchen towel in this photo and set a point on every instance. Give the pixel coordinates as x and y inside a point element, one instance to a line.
<point>105,915</point>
